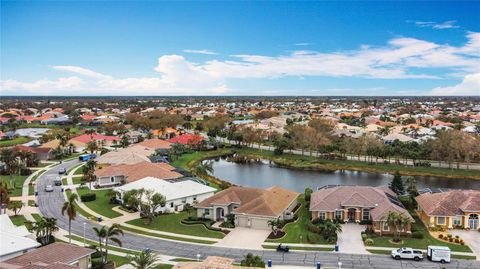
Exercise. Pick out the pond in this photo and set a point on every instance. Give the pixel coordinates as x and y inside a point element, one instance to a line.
<point>264,175</point>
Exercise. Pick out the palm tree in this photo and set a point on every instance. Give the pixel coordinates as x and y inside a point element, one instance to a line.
<point>4,197</point>
<point>107,234</point>
<point>203,168</point>
<point>70,208</point>
<point>274,224</point>
<point>146,259</point>
<point>330,229</point>
<point>397,221</point>
<point>89,172</point>
<point>90,132</point>
<point>92,146</point>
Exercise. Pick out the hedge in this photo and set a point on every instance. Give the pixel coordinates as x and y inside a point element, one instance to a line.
<point>88,197</point>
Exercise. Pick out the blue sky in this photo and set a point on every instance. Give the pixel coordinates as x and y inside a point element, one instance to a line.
<point>240,48</point>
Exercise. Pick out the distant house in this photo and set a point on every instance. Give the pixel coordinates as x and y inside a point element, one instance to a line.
<point>209,262</point>
<point>53,256</point>
<point>252,207</point>
<point>177,193</point>
<point>42,154</point>
<point>126,173</point>
<point>156,144</point>
<point>356,204</point>
<point>130,155</point>
<point>389,139</point>
<point>15,240</point>
<point>106,140</point>
<point>451,209</point>
<point>187,139</point>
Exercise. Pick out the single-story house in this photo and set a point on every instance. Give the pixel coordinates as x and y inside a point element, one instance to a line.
<point>209,262</point>
<point>56,255</point>
<point>16,240</point>
<point>53,144</point>
<point>41,153</point>
<point>187,139</point>
<point>177,193</point>
<point>450,209</point>
<point>106,140</point>
<point>156,144</point>
<point>252,207</point>
<point>389,139</point>
<point>126,173</point>
<point>356,204</point>
<point>130,155</point>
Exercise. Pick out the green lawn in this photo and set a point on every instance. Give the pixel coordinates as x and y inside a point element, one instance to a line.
<point>18,220</point>
<point>136,231</point>
<point>384,241</point>
<point>300,248</point>
<point>75,167</point>
<point>79,209</point>
<point>297,232</point>
<point>13,142</point>
<point>18,182</point>
<point>79,171</point>
<point>31,202</point>
<point>36,216</point>
<point>110,247</point>
<point>171,223</point>
<point>101,205</point>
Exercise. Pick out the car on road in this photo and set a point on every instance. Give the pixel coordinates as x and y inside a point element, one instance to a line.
<point>57,181</point>
<point>62,171</point>
<point>281,248</point>
<point>407,253</point>
<point>439,254</point>
<point>49,188</point>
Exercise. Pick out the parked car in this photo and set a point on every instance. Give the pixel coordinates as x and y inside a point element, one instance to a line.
<point>57,181</point>
<point>62,171</point>
<point>438,254</point>
<point>281,248</point>
<point>49,188</point>
<point>407,253</point>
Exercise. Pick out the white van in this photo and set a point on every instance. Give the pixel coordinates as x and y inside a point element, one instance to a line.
<point>438,254</point>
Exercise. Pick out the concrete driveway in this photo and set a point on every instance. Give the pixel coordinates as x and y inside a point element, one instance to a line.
<point>350,239</point>
<point>244,238</point>
<point>471,238</point>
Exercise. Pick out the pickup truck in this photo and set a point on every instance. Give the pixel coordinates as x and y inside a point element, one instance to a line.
<point>407,253</point>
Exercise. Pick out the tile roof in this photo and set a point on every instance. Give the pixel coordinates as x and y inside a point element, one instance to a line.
<point>187,139</point>
<point>450,203</point>
<point>131,155</point>
<point>270,202</point>
<point>211,262</point>
<point>85,138</point>
<point>52,253</point>
<point>138,171</point>
<point>31,149</point>
<point>377,198</point>
<point>155,143</point>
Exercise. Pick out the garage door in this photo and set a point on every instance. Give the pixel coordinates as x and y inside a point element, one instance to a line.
<point>242,221</point>
<point>261,224</point>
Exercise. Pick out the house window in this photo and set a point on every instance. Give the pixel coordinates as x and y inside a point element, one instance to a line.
<point>457,221</point>
<point>206,211</point>
<point>366,214</point>
<point>338,214</point>
<point>386,227</point>
<point>194,198</point>
<point>171,204</point>
<point>441,220</point>
<point>112,179</point>
<point>322,215</point>
<point>184,200</point>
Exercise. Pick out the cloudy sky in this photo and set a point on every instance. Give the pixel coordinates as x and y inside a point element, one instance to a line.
<point>239,48</point>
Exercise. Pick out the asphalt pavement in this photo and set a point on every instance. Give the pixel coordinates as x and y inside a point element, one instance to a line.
<point>50,206</point>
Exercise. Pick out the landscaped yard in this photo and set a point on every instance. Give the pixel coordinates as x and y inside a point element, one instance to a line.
<point>13,142</point>
<point>384,241</point>
<point>172,223</point>
<point>297,232</point>
<point>18,220</point>
<point>102,204</point>
<point>17,191</point>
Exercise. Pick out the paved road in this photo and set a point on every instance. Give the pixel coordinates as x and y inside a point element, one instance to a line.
<point>50,204</point>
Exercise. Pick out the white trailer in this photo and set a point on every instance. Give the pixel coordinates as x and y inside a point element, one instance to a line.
<point>438,254</point>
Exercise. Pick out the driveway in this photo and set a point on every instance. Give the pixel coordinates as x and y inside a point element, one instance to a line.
<point>471,238</point>
<point>245,238</point>
<point>350,239</point>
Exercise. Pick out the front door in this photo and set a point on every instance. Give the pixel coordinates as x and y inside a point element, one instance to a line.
<point>473,221</point>
<point>351,214</point>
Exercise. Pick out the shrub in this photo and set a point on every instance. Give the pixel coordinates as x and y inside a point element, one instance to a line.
<point>457,240</point>
<point>312,228</point>
<point>252,261</point>
<point>440,236</point>
<point>417,235</point>
<point>450,239</point>
<point>88,197</point>
<point>364,237</point>
<point>369,242</point>
<point>462,243</point>
<point>456,236</point>
<point>449,235</point>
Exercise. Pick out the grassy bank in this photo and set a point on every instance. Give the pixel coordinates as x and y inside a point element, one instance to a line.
<point>102,204</point>
<point>13,142</point>
<point>313,163</point>
<point>17,182</point>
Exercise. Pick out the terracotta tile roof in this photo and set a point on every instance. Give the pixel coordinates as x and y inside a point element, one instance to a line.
<point>50,254</point>
<point>156,143</point>
<point>211,262</point>
<point>85,138</point>
<point>131,155</point>
<point>138,171</point>
<point>187,139</point>
<point>377,198</point>
<point>450,203</point>
<point>252,201</point>
<point>31,149</point>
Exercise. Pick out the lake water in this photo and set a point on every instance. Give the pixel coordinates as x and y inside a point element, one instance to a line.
<point>263,175</point>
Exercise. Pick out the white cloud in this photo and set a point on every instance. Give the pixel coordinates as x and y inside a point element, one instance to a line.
<point>438,26</point>
<point>206,52</point>
<point>303,44</point>
<point>400,58</point>
<point>469,86</point>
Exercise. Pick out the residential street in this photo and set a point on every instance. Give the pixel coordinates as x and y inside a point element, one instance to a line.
<point>50,204</point>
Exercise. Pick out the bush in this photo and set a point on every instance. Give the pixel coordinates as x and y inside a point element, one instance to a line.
<point>25,171</point>
<point>252,261</point>
<point>312,228</point>
<point>456,236</point>
<point>88,197</point>
<point>457,240</point>
<point>417,235</point>
<point>440,236</point>
<point>369,242</point>
<point>364,237</point>
<point>450,239</point>
<point>366,222</point>
<point>449,236</point>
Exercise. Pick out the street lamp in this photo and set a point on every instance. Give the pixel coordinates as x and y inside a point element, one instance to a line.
<point>84,228</point>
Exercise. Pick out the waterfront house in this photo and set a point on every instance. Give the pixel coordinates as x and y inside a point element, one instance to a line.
<point>177,193</point>
<point>252,207</point>
<point>130,155</point>
<point>126,173</point>
<point>361,204</point>
<point>450,209</point>
<point>56,255</point>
